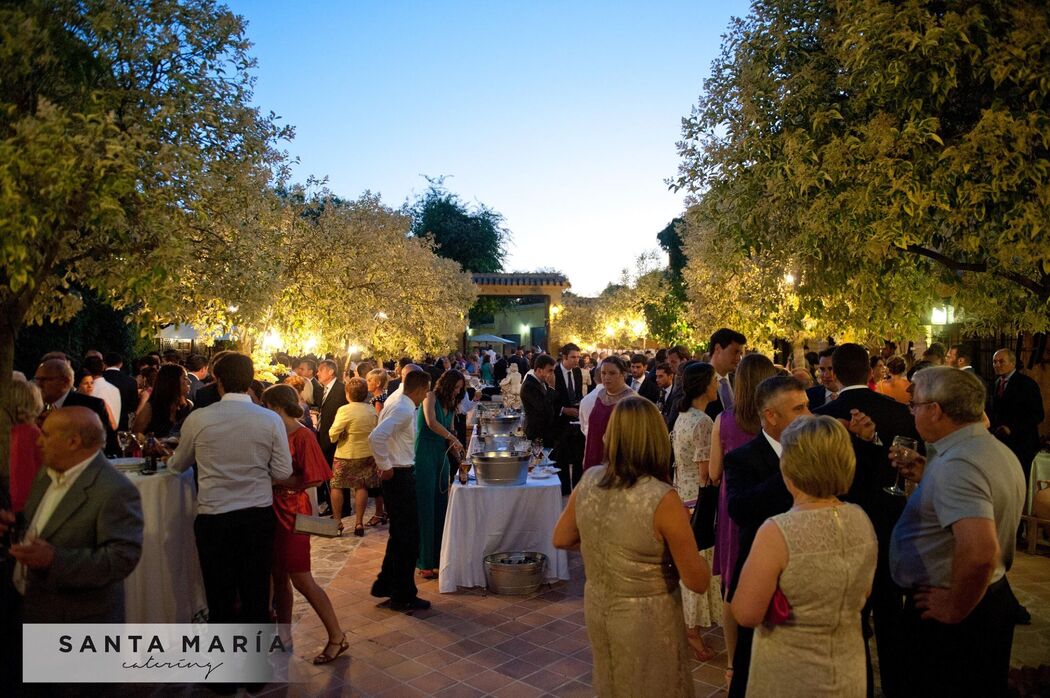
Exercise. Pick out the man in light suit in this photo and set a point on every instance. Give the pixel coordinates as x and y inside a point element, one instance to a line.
<point>85,527</point>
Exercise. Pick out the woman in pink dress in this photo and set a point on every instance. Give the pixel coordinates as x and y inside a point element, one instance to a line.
<point>734,428</point>
<point>598,405</point>
<point>26,406</point>
<point>291,550</point>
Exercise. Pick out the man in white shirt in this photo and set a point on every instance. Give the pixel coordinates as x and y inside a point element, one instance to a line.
<point>85,527</point>
<point>393,445</point>
<point>103,389</point>
<point>240,448</point>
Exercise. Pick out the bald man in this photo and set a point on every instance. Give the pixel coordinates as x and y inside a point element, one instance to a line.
<point>84,534</point>
<point>1015,408</point>
<point>54,377</point>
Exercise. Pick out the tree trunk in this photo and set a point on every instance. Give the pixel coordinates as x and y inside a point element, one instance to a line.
<point>7,364</point>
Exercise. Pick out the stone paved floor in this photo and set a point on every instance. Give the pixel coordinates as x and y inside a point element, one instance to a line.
<point>475,644</point>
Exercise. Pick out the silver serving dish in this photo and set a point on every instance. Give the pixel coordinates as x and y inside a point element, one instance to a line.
<point>498,425</point>
<point>504,468</point>
<point>502,442</point>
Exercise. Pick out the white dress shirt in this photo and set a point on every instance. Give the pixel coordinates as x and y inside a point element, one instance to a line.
<point>239,448</point>
<point>394,438</point>
<point>109,394</point>
<point>60,485</point>
<point>777,448</point>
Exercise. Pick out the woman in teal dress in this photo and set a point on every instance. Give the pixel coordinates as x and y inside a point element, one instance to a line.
<point>486,369</point>
<point>434,438</point>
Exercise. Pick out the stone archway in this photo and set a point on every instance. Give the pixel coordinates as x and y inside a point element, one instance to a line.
<point>549,286</point>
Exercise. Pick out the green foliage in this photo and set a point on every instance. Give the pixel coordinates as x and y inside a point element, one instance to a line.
<point>476,239</point>
<point>892,155</point>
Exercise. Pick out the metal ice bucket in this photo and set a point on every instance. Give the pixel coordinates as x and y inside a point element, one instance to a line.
<point>501,467</point>
<point>516,573</point>
<point>498,425</point>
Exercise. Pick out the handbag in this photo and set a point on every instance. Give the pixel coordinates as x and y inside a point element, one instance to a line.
<point>779,610</point>
<point>704,516</point>
<point>324,526</point>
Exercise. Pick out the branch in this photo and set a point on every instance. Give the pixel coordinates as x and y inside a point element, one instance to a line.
<point>1041,290</point>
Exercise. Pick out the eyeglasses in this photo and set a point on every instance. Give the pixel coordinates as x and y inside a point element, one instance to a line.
<point>913,405</point>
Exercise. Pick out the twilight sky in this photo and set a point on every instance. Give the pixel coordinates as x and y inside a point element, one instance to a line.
<point>562,116</point>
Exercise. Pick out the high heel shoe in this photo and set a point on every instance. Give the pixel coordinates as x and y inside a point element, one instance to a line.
<point>325,658</point>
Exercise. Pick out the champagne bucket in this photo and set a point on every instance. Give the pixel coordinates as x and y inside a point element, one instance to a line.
<point>504,468</point>
<point>498,425</point>
<point>516,573</point>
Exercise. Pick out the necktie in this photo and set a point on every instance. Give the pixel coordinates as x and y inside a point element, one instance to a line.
<point>1001,388</point>
<point>569,383</point>
<point>725,393</point>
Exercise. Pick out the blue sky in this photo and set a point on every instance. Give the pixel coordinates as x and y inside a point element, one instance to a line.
<point>561,116</point>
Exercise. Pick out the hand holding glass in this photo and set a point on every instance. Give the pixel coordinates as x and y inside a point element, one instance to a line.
<point>902,452</point>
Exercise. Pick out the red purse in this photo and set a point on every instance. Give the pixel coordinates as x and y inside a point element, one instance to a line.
<point>779,610</point>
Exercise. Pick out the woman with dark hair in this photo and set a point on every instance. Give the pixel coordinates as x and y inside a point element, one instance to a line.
<point>732,429</point>
<point>434,439</point>
<point>145,379</point>
<point>291,550</point>
<point>691,439</point>
<point>167,405</point>
<point>634,533</point>
<point>597,406</point>
<point>895,384</point>
<point>486,369</point>
<point>355,467</point>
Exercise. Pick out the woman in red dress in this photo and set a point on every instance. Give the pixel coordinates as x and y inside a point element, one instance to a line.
<point>598,405</point>
<point>291,550</point>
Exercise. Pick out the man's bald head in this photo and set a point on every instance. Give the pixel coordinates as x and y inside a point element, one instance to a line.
<point>409,368</point>
<point>69,435</point>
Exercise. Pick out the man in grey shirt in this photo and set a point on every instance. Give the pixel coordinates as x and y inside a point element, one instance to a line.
<point>952,546</point>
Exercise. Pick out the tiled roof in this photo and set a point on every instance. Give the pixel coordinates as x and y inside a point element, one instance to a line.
<point>521,280</point>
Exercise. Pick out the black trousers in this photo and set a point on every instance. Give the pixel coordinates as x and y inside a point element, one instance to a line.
<point>971,658</point>
<point>236,552</point>
<point>396,577</point>
<point>741,662</point>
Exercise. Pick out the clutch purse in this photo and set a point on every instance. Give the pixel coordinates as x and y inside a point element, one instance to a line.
<point>324,526</point>
<point>779,610</point>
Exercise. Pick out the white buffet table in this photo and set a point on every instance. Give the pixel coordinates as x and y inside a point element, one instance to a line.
<point>166,586</point>
<point>493,519</point>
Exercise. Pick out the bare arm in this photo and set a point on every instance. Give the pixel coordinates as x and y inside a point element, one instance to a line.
<point>143,418</point>
<point>714,465</point>
<point>435,425</point>
<point>672,523</point>
<point>760,576</point>
<point>566,533</point>
<point>973,562</point>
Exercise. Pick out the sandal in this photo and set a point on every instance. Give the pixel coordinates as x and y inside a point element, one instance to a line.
<point>428,574</point>
<point>325,658</point>
<point>701,652</point>
<point>359,530</point>
<point>374,521</point>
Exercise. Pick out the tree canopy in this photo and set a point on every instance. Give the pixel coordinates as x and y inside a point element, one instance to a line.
<point>890,156</point>
<point>475,237</point>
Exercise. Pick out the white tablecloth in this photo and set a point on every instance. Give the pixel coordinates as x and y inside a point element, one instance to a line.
<point>493,519</point>
<point>1040,471</point>
<point>166,586</point>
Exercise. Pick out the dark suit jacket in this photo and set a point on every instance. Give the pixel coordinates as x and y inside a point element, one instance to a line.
<point>391,386</point>
<point>336,399</point>
<point>1021,410</point>
<point>207,395</point>
<point>874,470</point>
<point>97,533</point>
<point>565,399</point>
<point>756,491</point>
<point>541,415</point>
<point>648,389</point>
<point>129,394</point>
<point>499,370</point>
<point>817,397</point>
<point>75,399</point>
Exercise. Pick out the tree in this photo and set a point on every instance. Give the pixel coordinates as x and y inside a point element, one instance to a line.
<point>353,276</point>
<point>897,152</point>
<point>127,135</point>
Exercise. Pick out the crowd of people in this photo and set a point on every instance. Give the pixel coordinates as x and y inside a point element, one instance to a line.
<point>706,488</point>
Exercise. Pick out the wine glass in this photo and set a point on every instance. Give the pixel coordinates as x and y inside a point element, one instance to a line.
<point>124,438</point>
<point>902,452</point>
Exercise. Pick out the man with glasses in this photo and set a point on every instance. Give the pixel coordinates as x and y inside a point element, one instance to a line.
<point>955,541</point>
<point>54,377</point>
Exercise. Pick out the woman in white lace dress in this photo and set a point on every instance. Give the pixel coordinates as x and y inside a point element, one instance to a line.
<point>692,453</point>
